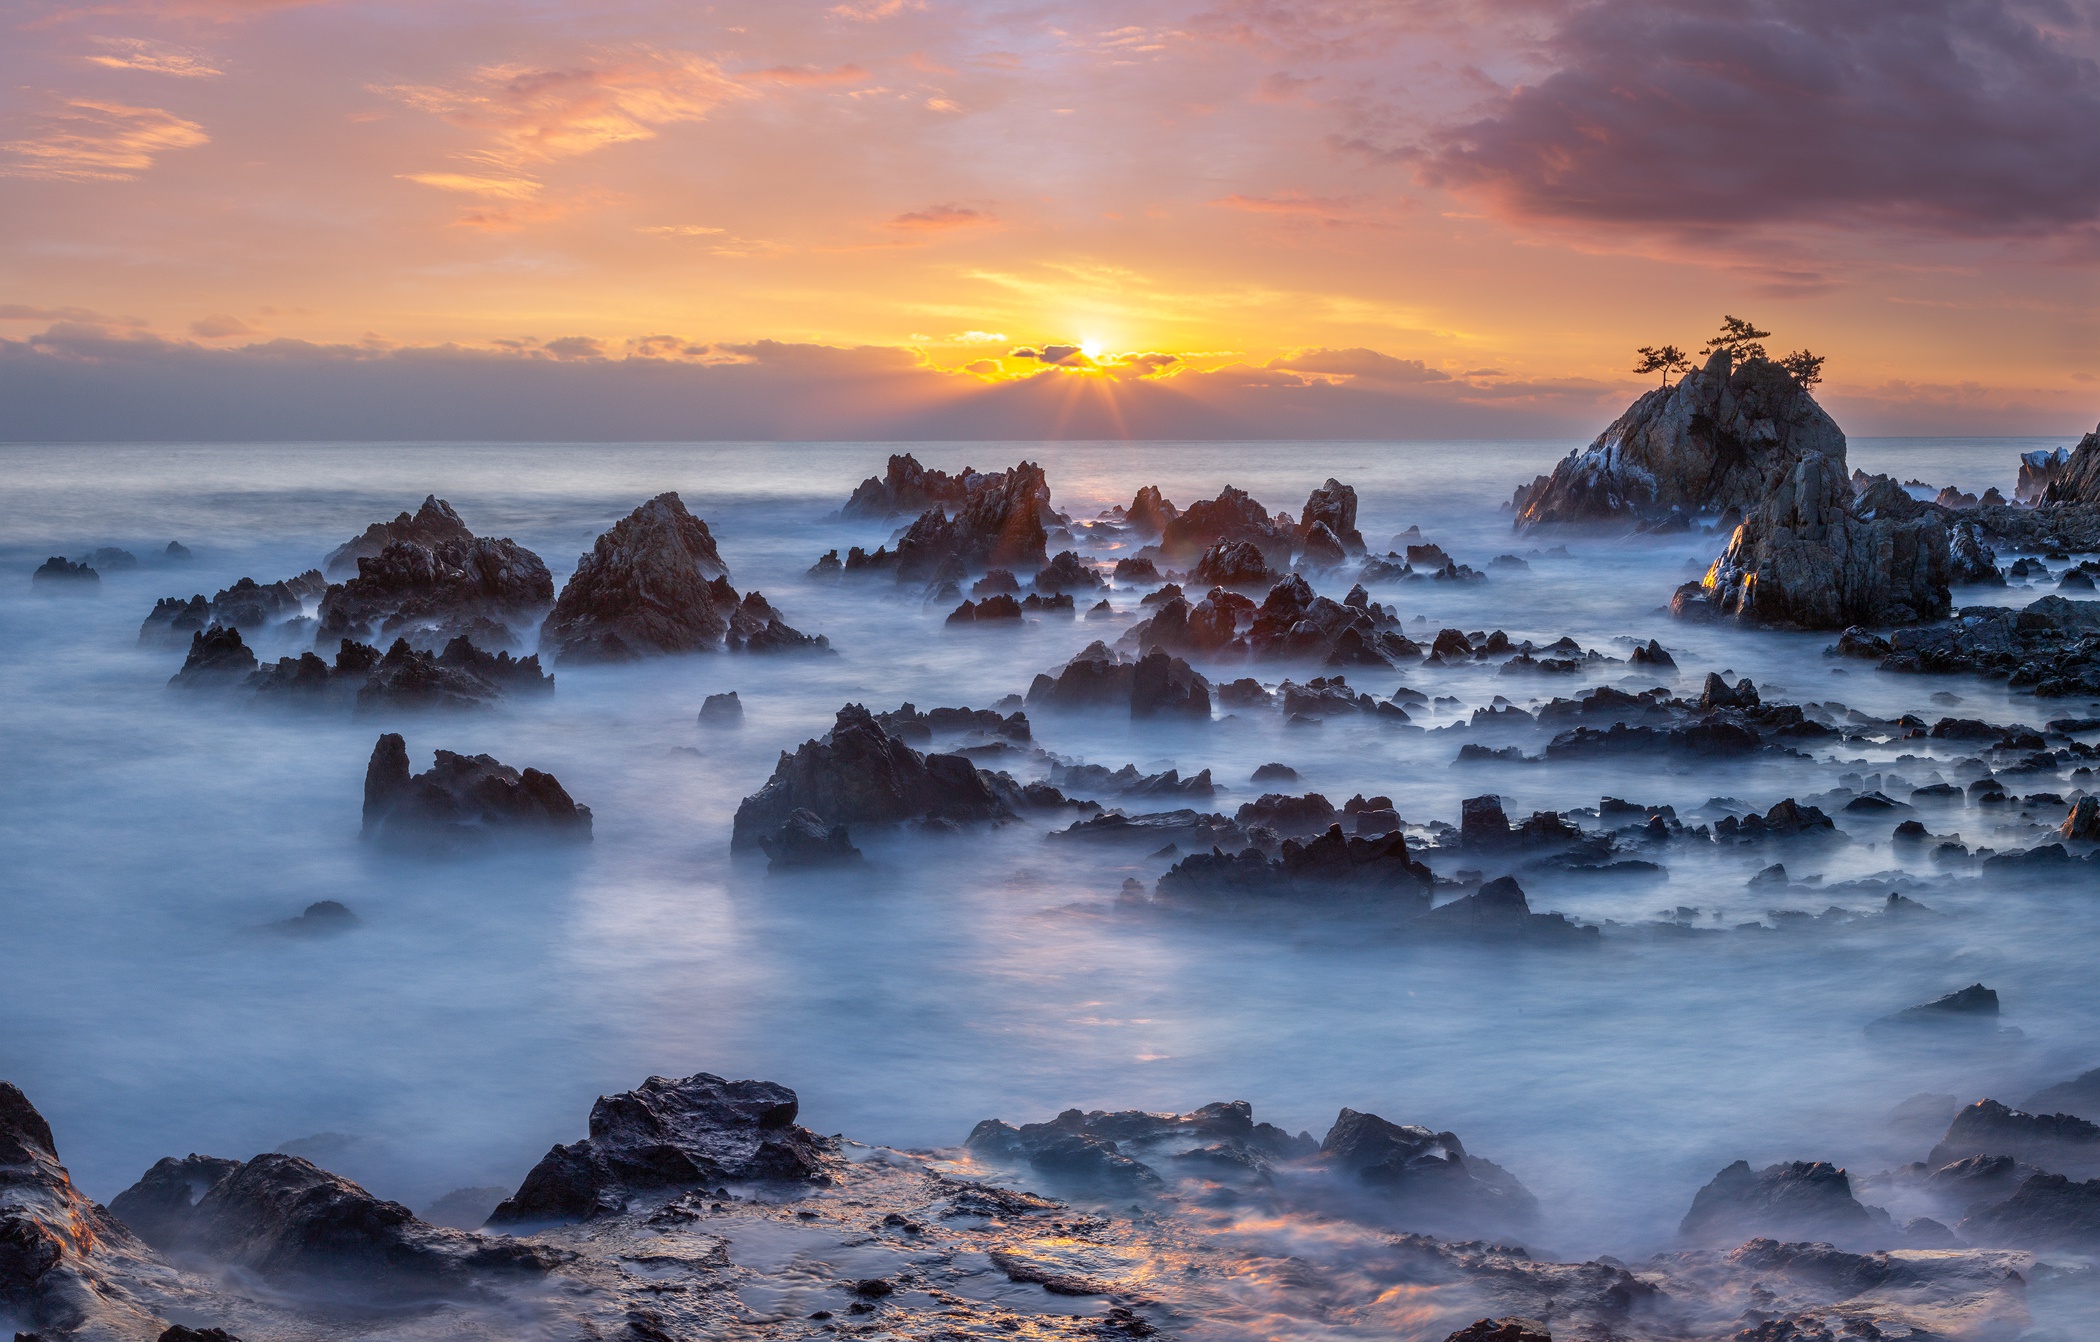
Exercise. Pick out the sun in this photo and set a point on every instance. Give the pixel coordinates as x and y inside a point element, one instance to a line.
<point>1090,348</point>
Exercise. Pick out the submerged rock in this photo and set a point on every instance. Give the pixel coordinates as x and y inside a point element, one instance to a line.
<point>1804,558</point>
<point>1498,911</point>
<point>1723,437</point>
<point>667,1134</point>
<point>461,799</point>
<point>858,773</point>
<point>59,574</point>
<point>1799,1200</point>
<point>722,710</point>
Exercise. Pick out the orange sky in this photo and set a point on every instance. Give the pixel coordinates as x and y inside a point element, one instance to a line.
<point>1499,199</point>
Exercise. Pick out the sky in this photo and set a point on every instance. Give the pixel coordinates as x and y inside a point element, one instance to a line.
<point>937,219</point>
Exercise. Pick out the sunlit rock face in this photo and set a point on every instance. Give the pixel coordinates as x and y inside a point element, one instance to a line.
<point>1721,438</point>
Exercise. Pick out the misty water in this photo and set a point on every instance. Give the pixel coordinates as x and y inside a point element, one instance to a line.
<point>483,1002</point>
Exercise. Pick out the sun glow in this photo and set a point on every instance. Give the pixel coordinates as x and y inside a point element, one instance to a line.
<point>1090,348</point>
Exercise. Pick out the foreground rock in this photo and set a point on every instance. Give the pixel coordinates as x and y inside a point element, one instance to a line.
<point>858,773</point>
<point>1723,438</point>
<point>654,584</point>
<point>461,676</point>
<point>665,1134</point>
<point>463,800</point>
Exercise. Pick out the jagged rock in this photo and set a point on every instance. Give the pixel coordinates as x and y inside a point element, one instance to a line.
<point>1499,911</point>
<point>462,675</point>
<point>827,565</point>
<point>2048,1211</point>
<point>1153,685</point>
<point>2038,471</point>
<point>2080,1095</point>
<point>2077,480</point>
<point>1804,558</point>
<point>1377,870</point>
<point>1798,1200</point>
<point>1061,604</point>
<point>860,774</point>
<point>1318,549</point>
<point>434,524</point>
<point>1148,513</point>
<point>1209,627</point>
<point>667,1134</point>
<point>173,621</point>
<point>1333,506</point>
<point>1722,438</point>
<point>1652,654</point>
<point>906,487</point>
<point>2083,823</point>
<point>218,659</point>
<point>1289,816</point>
<point>1233,563</point>
<point>1787,819</point>
<point>1136,570</point>
<point>59,574</point>
<point>1427,1175</point>
<point>1972,1004</point>
<point>992,608</point>
<point>1970,560</point>
<point>463,798</point>
<point>1067,573</point>
<point>996,583</point>
<point>1232,516</point>
<point>2048,1141</point>
<point>645,587</point>
<point>1294,622</point>
<point>110,559</point>
<point>998,524</point>
<point>482,584</point>
<point>282,1218</point>
<point>176,553</point>
<point>722,710</point>
<point>804,840</point>
<point>249,604</point>
<point>1155,828</point>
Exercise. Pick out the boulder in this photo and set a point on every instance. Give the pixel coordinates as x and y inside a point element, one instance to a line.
<point>1425,1173</point>
<point>1136,570</point>
<point>1232,516</point>
<point>2039,470</point>
<point>1502,1330</point>
<point>286,1220</point>
<point>1798,1200</point>
<point>1971,1005</point>
<point>218,660</point>
<point>1970,560</point>
<point>2061,1142</point>
<point>1319,549</point>
<point>1332,506</point>
<point>1233,563</point>
<point>670,1134</point>
<point>1803,558</point>
<point>989,610</point>
<point>998,582</point>
<point>1498,911</point>
<point>1148,513</point>
<point>2083,823</point>
<point>251,605</point>
<point>1722,438</point>
<point>722,710</point>
<point>433,524</point>
<point>159,1207</point>
<point>1065,1152</point>
<point>858,773</point>
<point>647,586</point>
<point>804,840</point>
<point>2048,1211</point>
<point>1067,573</point>
<point>60,575</point>
<point>173,620</point>
<point>462,799</point>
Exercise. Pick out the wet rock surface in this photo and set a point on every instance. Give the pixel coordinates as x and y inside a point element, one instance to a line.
<point>463,800</point>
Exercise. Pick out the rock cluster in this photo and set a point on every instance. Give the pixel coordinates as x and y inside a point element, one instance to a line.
<point>459,676</point>
<point>858,773</point>
<point>1154,685</point>
<point>483,586</point>
<point>1232,516</point>
<point>1000,522</point>
<point>2050,646</point>
<point>1292,623</point>
<point>247,604</point>
<point>1804,558</point>
<point>655,584</point>
<point>59,574</point>
<point>433,524</point>
<point>699,1131</point>
<point>1722,438</point>
<point>1377,871</point>
<point>1806,1200</point>
<point>907,488</point>
<point>463,799</point>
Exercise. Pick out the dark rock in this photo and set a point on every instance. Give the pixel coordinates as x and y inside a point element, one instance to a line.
<point>906,487</point>
<point>1233,563</point>
<point>1153,685</point>
<point>2048,1211</point>
<point>1723,437</point>
<point>1805,558</point>
<point>2047,1141</point>
<point>176,553</point>
<point>722,710</point>
<point>1232,516</point>
<point>1061,604</point>
<point>1499,911</point>
<point>181,1333</point>
<point>2038,471</point>
<point>1425,1173</point>
<point>2080,1095</point>
<point>860,774</point>
<point>2077,480</point>
<point>1309,814</point>
<point>1788,819</point>
<point>2083,823</point>
<point>218,659</point>
<point>1375,870</point>
<point>1066,1152</point>
<point>1969,1004</point>
<point>323,918</point>
<point>160,1206</point>
<point>1502,1330</point>
<point>479,583</point>
<point>648,586</point>
<point>251,605</point>
<point>1186,825</point>
<point>1970,559</point>
<point>1274,773</point>
<point>1067,573</point>
<point>666,1134</point>
<point>1318,549</point>
<point>110,559</point>
<point>827,566</point>
<point>991,609</point>
<point>1148,513</point>
<point>433,524</point>
<point>462,676</point>
<point>1799,1200</point>
<point>804,840</point>
<point>999,523</point>
<point>462,799</point>
<point>173,621</point>
<point>1136,570</point>
<point>1332,506</point>
<point>1652,654</point>
<point>59,574</point>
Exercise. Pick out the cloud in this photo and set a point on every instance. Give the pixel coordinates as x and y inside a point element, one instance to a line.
<point>220,325</point>
<point>479,184</point>
<point>1067,356</point>
<point>1283,202</point>
<point>944,218</point>
<point>135,53</point>
<point>1367,364</point>
<point>871,11</point>
<point>806,76</point>
<point>90,141</point>
<point>30,312</point>
<point>1952,118</point>
<point>534,115</point>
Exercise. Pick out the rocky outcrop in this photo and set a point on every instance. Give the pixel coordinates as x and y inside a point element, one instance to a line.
<point>479,585</point>
<point>61,575</point>
<point>247,604</point>
<point>1502,1330</point>
<point>654,584</point>
<point>804,840</point>
<point>1376,870</point>
<point>218,660</point>
<point>2038,471</point>
<point>1067,573</point>
<point>433,524</point>
<point>288,1221</point>
<point>669,1134</point>
<point>2047,1211</point>
<point>1804,559</point>
<point>1499,911</point>
<point>173,621</point>
<point>722,710</point>
<point>1292,623</point>
<point>2077,480</point>
<point>1154,685</point>
<point>1723,438</point>
<point>906,488</point>
<point>1001,522</point>
<point>1233,563</point>
<point>1799,1200</point>
<point>1426,1172</point>
<point>858,773</point>
<point>1232,516</point>
<point>463,799</point>
<point>1331,507</point>
<point>1149,512</point>
<point>2060,1142</point>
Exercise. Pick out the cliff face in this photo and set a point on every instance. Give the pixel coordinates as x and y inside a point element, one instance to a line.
<point>1721,438</point>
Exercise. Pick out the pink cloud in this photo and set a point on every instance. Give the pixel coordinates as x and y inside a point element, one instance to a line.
<point>90,140</point>
<point>945,218</point>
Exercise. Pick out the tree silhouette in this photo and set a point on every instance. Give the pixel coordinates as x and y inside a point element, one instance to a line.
<point>1740,339</point>
<point>1806,369</point>
<point>1666,360</point>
